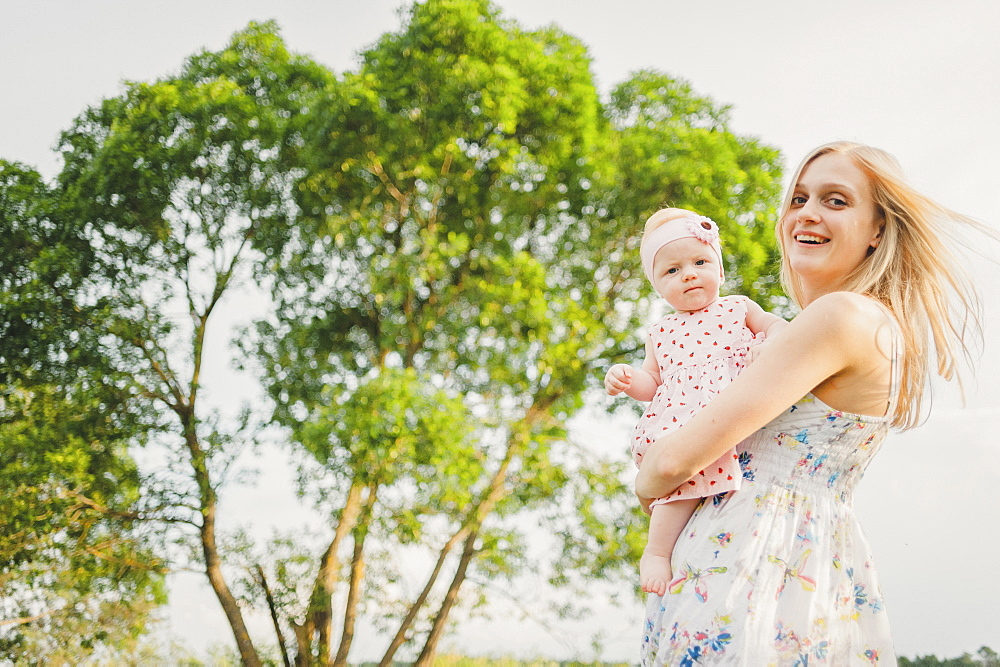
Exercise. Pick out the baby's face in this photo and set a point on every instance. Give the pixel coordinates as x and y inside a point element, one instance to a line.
<point>687,274</point>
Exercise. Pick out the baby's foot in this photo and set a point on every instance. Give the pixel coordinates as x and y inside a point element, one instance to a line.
<point>654,573</point>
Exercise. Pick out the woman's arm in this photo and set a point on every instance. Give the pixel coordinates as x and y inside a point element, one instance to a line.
<point>831,337</point>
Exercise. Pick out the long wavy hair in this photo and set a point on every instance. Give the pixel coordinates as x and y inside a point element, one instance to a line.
<point>913,272</point>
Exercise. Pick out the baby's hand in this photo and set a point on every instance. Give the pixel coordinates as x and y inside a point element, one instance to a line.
<point>755,351</point>
<point>618,379</point>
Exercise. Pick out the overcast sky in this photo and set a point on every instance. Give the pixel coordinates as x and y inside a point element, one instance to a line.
<point>920,78</point>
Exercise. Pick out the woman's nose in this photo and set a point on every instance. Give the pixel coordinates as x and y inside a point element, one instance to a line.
<point>809,212</point>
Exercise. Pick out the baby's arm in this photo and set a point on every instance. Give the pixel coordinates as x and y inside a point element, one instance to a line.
<point>761,321</point>
<point>638,383</point>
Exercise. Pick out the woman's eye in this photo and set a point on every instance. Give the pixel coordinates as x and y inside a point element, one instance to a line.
<point>837,201</point>
<point>798,200</point>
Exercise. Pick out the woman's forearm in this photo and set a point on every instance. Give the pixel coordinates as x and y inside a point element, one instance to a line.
<point>672,460</point>
<point>657,476</point>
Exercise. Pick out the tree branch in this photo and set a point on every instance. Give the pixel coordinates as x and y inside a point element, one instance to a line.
<point>356,580</point>
<point>262,581</point>
<point>26,619</point>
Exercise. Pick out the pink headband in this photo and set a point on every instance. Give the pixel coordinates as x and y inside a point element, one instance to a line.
<point>694,226</point>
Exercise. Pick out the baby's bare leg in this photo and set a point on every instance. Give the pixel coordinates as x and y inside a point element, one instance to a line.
<point>665,526</point>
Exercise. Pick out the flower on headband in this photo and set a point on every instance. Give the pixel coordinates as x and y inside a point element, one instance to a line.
<point>702,228</point>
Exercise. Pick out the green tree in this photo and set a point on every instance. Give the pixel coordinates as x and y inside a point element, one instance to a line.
<point>470,223</point>
<point>77,570</point>
<point>184,185</point>
<point>671,146</point>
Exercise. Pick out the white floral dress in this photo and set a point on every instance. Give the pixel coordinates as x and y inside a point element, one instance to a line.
<point>779,572</point>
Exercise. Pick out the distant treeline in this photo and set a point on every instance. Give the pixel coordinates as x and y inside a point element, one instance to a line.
<point>985,657</point>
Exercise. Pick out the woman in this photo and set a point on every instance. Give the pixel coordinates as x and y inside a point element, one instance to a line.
<point>780,572</point>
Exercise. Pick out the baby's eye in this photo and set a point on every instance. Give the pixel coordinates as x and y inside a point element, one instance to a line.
<point>700,262</point>
<point>672,270</point>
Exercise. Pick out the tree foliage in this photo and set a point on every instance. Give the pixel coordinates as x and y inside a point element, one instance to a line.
<point>77,568</point>
<point>170,188</point>
<point>449,237</point>
<point>470,218</point>
<point>78,574</point>
<point>184,184</point>
<point>985,657</point>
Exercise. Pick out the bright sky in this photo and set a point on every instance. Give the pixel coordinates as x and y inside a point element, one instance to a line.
<point>917,77</point>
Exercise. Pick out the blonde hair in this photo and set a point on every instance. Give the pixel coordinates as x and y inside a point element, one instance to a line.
<point>912,272</point>
<point>663,216</point>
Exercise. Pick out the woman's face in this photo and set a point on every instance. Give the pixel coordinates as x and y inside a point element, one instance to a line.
<point>830,225</point>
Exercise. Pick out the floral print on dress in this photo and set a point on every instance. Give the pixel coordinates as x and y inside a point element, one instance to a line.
<point>779,572</point>
<point>701,646</point>
<point>799,651</point>
<point>693,576</point>
<point>794,572</point>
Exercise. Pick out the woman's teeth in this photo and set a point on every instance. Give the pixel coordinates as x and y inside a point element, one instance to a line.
<point>808,238</point>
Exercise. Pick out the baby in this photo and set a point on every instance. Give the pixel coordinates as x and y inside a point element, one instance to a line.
<point>691,355</point>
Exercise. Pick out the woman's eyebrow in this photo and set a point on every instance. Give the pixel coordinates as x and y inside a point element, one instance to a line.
<point>827,187</point>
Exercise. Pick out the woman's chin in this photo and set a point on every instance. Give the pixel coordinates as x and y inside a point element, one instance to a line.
<point>807,267</point>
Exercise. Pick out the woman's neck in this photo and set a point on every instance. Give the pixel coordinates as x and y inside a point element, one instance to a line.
<point>809,294</point>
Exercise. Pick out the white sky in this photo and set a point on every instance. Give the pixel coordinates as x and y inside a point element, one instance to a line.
<point>919,78</point>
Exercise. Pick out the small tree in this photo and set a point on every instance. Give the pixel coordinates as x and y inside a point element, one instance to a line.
<point>984,656</point>
<point>184,184</point>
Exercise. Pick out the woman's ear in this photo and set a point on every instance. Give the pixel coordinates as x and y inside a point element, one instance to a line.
<point>877,238</point>
<point>875,241</point>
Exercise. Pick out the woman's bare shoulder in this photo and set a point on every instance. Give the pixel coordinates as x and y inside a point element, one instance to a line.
<point>860,330</point>
<point>847,312</point>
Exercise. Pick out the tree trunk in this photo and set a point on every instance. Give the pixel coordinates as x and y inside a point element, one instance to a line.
<point>303,640</point>
<point>209,548</point>
<point>426,657</point>
<point>321,604</point>
<point>414,609</point>
<point>319,615</point>
<point>357,578</point>
<point>274,616</point>
<point>213,568</point>
<point>516,444</point>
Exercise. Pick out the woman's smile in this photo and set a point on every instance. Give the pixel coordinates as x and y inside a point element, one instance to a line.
<point>811,239</point>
